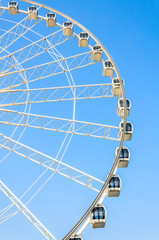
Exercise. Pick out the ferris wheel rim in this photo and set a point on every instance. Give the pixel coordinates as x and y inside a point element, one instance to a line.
<point>124,118</point>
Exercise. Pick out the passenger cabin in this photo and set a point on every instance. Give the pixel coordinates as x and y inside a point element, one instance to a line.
<point>51,19</point>
<point>108,69</point>
<point>116,87</point>
<point>97,53</point>
<point>98,216</point>
<point>13,8</point>
<point>123,158</point>
<point>83,39</point>
<point>114,186</point>
<point>33,13</point>
<point>67,28</point>
<point>128,131</point>
<point>120,109</point>
<point>76,237</point>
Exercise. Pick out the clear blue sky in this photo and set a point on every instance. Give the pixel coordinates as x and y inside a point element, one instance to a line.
<point>130,32</point>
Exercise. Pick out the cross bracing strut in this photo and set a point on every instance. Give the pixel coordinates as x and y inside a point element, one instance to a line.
<point>26,212</point>
<point>50,163</point>
<point>18,96</point>
<point>34,49</point>
<point>10,117</point>
<point>13,34</point>
<point>53,68</point>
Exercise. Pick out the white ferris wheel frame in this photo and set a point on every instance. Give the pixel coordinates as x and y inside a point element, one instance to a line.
<point>84,221</point>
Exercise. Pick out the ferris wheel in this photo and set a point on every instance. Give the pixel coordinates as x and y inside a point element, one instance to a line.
<point>55,73</point>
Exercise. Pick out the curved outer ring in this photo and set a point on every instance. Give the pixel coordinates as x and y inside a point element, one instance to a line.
<point>83,218</point>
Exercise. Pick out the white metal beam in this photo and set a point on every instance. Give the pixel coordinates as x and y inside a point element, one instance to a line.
<point>13,34</point>
<point>50,163</point>
<point>41,95</point>
<point>10,117</point>
<point>33,50</point>
<point>26,212</point>
<point>53,68</point>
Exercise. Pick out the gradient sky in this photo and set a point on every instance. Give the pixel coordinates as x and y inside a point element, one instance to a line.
<point>130,32</point>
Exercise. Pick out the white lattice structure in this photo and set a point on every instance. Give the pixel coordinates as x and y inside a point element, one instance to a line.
<point>33,69</point>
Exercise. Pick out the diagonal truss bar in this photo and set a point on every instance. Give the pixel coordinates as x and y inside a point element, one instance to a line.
<point>26,212</point>
<point>10,117</point>
<point>50,163</point>
<point>34,49</point>
<point>53,68</point>
<point>16,32</point>
<point>19,96</point>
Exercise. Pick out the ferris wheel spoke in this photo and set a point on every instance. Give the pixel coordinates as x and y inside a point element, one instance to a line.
<point>50,163</point>
<point>13,34</point>
<point>2,10</point>
<point>10,117</point>
<point>53,68</point>
<point>26,211</point>
<point>10,82</point>
<point>34,49</point>
<point>18,96</point>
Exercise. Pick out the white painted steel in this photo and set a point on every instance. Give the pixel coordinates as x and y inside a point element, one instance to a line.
<point>101,194</point>
<point>26,212</point>
<point>49,162</point>
<point>9,117</point>
<point>128,133</point>
<point>123,162</point>
<point>98,223</point>
<point>13,8</point>
<point>15,97</point>
<point>120,109</point>
<point>114,192</point>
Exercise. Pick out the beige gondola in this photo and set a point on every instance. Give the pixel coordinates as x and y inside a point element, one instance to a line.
<point>116,87</point>
<point>123,158</point>
<point>97,53</point>
<point>120,109</point>
<point>128,131</point>
<point>13,8</point>
<point>33,13</point>
<point>98,216</point>
<point>51,19</point>
<point>114,186</point>
<point>108,69</point>
<point>83,39</point>
<point>67,28</point>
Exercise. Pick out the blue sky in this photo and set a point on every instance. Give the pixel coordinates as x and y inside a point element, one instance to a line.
<point>129,30</point>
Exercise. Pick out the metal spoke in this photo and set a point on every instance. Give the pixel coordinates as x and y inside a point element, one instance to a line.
<point>12,35</point>
<point>26,212</point>
<point>34,49</point>
<point>53,68</point>
<point>18,96</point>
<point>10,117</point>
<point>50,163</point>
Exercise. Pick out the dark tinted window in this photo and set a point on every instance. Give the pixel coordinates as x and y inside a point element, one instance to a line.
<point>13,4</point>
<point>124,153</point>
<point>116,81</point>
<point>121,102</point>
<point>83,35</point>
<point>128,127</point>
<point>98,213</point>
<point>75,238</point>
<point>108,64</point>
<point>67,24</point>
<point>96,47</point>
<point>32,8</point>
<point>114,182</point>
<point>51,15</point>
